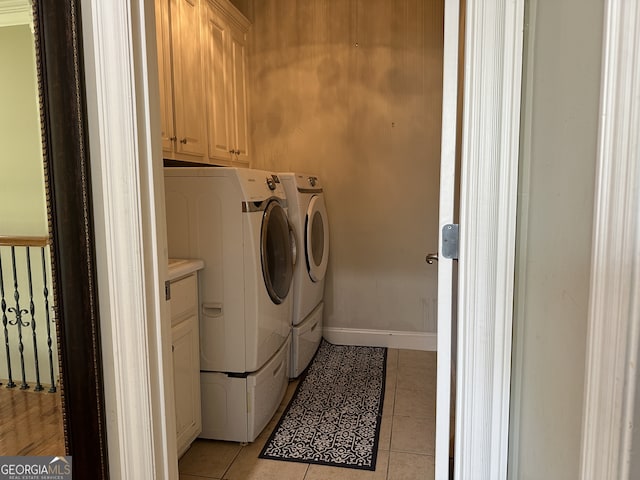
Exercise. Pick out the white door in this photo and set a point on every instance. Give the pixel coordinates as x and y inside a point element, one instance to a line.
<point>446,212</point>
<point>488,184</point>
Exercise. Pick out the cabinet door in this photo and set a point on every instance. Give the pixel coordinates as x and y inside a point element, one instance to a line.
<point>238,52</point>
<point>163,39</point>
<point>186,379</point>
<point>188,76</point>
<point>216,40</point>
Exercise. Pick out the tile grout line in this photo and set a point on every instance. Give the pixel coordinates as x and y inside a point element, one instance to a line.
<point>232,461</point>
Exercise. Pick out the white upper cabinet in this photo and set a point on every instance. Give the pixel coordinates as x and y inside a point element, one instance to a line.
<point>227,109</point>
<point>181,79</point>
<point>202,69</point>
<point>163,34</point>
<point>217,84</point>
<point>188,78</point>
<point>239,93</point>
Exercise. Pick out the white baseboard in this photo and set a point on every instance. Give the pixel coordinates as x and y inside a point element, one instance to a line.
<point>381,338</point>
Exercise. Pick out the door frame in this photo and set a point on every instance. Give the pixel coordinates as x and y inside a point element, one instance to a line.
<point>125,150</point>
<point>613,338</point>
<point>122,71</point>
<point>488,197</point>
<point>123,113</point>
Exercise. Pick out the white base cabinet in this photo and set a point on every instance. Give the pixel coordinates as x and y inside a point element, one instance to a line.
<point>185,351</point>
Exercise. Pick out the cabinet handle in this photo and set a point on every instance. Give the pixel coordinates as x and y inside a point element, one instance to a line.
<point>277,370</point>
<point>212,310</point>
<point>237,152</point>
<point>183,141</point>
<point>173,139</point>
<point>232,151</point>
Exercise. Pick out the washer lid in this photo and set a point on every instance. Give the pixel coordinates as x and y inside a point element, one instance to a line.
<point>316,238</point>
<point>276,252</point>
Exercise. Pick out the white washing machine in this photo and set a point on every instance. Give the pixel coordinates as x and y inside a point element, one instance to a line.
<point>308,215</point>
<point>236,221</point>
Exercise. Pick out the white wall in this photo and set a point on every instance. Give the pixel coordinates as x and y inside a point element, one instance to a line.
<point>557,166</point>
<point>351,91</point>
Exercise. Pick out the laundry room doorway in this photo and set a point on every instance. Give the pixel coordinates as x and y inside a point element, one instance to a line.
<point>489,153</point>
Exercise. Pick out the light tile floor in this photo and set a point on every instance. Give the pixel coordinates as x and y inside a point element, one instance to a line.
<point>406,446</point>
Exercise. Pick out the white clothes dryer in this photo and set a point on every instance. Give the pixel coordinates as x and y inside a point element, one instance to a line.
<point>308,215</point>
<point>236,221</point>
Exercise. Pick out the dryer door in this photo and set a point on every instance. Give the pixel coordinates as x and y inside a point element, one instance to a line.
<point>276,252</point>
<point>316,238</point>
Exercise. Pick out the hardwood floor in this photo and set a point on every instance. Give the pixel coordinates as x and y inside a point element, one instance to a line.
<point>30,423</point>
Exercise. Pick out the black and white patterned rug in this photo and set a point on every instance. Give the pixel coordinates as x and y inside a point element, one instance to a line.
<point>335,414</point>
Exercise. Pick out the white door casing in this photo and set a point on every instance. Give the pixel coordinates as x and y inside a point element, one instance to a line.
<point>489,167</point>
<point>613,339</point>
<point>129,221</point>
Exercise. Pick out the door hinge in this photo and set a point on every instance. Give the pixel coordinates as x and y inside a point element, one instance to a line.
<point>450,241</point>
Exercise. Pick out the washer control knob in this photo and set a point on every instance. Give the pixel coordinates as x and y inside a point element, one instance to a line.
<point>313,181</point>
<point>271,183</point>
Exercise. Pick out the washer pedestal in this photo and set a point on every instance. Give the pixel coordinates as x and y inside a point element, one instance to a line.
<point>306,337</point>
<point>237,408</point>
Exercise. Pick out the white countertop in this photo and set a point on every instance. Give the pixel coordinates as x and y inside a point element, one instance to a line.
<point>181,267</point>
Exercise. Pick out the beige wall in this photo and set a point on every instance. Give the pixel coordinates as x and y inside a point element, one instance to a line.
<point>557,167</point>
<point>351,91</point>
<point>22,197</point>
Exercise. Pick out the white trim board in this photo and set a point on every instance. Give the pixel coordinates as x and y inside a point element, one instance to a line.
<point>121,78</point>
<point>522,233</point>
<point>381,338</point>
<point>614,310</point>
<point>490,139</point>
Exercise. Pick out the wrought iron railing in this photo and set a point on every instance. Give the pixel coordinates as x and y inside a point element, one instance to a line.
<point>28,320</point>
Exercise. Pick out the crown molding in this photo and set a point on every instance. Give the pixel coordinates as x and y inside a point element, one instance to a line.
<point>15,12</point>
